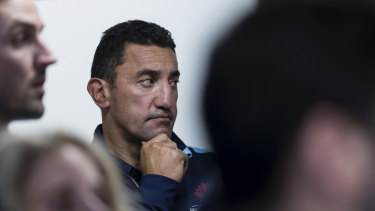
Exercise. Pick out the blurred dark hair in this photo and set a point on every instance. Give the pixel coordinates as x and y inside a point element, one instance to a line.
<point>270,71</point>
<point>110,52</point>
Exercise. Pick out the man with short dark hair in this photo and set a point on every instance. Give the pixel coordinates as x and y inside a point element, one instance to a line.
<point>24,58</point>
<point>134,82</point>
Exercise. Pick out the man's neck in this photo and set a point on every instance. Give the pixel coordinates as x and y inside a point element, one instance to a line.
<point>123,148</point>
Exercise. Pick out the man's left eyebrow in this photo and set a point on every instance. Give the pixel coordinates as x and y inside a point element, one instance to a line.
<point>148,72</point>
<point>26,25</point>
<point>175,74</point>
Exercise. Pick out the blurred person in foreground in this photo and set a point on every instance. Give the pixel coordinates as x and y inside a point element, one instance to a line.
<point>24,58</point>
<point>59,172</point>
<point>133,81</point>
<point>290,104</point>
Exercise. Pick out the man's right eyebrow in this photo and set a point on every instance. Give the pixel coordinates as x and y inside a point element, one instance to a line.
<point>22,24</point>
<point>148,72</point>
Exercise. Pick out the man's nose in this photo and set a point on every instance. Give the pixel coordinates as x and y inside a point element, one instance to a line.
<point>44,56</point>
<point>164,96</point>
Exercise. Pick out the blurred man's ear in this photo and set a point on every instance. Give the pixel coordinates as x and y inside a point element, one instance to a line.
<point>323,130</point>
<point>333,151</point>
<point>99,91</point>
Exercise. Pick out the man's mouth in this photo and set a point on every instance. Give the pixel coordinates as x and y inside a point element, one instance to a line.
<point>38,84</point>
<point>164,117</point>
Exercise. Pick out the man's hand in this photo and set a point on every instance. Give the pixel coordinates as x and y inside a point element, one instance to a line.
<point>161,156</point>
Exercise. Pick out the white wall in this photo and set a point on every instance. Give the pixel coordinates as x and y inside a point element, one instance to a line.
<point>73,29</point>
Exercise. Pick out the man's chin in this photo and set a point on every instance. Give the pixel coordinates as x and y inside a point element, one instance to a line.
<point>31,112</point>
<point>159,131</point>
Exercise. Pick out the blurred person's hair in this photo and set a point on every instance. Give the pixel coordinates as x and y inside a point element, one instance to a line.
<point>267,5</point>
<point>274,67</point>
<point>19,156</point>
<point>110,52</point>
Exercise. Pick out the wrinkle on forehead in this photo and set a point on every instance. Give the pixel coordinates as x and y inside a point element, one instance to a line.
<point>140,54</point>
<point>20,10</point>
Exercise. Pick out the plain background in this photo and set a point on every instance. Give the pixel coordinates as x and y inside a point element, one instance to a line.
<point>73,29</point>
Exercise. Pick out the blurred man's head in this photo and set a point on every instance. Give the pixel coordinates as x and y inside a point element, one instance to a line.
<point>275,69</point>
<point>24,58</point>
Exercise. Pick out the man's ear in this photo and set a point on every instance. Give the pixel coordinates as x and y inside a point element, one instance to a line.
<point>325,134</point>
<point>334,151</point>
<point>99,91</point>
<point>323,129</point>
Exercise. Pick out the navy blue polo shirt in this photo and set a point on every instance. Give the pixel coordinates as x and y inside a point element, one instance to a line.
<point>157,192</point>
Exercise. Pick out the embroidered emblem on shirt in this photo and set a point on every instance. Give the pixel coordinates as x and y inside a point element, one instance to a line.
<point>201,190</point>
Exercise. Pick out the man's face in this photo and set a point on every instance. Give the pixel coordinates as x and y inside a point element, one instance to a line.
<point>23,61</point>
<point>143,101</point>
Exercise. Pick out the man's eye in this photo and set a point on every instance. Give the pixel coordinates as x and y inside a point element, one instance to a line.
<point>147,82</point>
<point>174,82</point>
<point>20,39</point>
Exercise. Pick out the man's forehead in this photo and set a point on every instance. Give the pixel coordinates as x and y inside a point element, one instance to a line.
<point>150,53</point>
<point>19,11</point>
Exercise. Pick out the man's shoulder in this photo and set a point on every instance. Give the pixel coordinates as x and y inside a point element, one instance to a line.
<point>201,159</point>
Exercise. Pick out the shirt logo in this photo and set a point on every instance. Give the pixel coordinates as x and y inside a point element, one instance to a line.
<point>201,190</point>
